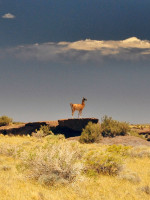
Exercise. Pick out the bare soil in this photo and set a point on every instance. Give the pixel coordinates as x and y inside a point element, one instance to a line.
<point>12,126</point>
<point>124,140</point>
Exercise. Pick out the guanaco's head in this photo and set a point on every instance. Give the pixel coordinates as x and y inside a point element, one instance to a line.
<point>84,99</point>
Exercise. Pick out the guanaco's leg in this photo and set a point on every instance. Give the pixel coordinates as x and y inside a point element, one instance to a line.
<point>81,113</point>
<point>73,113</point>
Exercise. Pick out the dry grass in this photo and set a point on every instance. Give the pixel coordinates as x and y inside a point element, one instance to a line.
<point>15,186</point>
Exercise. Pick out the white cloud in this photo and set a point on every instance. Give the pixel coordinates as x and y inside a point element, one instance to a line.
<point>84,50</point>
<point>91,45</point>
<point>8,16</point>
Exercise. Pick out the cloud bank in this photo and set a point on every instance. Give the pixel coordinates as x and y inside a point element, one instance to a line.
<point>131,49</point>
<point>8,16</point>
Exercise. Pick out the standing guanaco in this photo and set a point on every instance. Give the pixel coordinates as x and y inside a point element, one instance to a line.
<point>78,107</point>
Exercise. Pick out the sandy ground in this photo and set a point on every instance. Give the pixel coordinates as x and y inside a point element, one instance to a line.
<point>124,140</point>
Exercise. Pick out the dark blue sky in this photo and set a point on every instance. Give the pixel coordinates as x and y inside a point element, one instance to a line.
<point>46,61</point>
<point>43,21</point>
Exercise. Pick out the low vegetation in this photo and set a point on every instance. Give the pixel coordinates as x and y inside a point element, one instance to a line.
<point>91,133</point>
<point>61,161</point>
<point>5,120</point>
<point>42,132</point>
<point>46,166</point>
<point>90,169</point>
<point>103,163</point>
<point>108,128</point>
<point>112,128</point>
<point>34,166</point>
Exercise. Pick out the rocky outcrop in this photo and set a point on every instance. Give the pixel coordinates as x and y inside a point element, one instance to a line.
<point>146,133</point>
<point>68,127</point>
<point>27,128</point>
<point>73,127</point>
<point>76,124</point>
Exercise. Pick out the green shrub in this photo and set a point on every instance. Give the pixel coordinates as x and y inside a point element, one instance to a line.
<point>4,120</point>
<point>136,134</point>
<point>102,163</point>
<point>42,132</point>
<point>112,128</point>
<point>53,139</point>
<point>91,133</point>
<point>119,150</point>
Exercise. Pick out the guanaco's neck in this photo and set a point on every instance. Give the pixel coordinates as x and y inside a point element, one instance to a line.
<point>83,103</point>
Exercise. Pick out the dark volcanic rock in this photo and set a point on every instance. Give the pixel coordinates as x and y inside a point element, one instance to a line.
<point>73,127</point>
<point>28,128</point>
<point>144,132</point>
<point>67,132</point>
<point>76,124</point>
<point>68,127</point>
<point>148,139</point>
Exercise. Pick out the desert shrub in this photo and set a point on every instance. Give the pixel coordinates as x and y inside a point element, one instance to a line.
<point>139,152</point>
<point>48,179</point>
<point>18,123</point>
<point>42,132</point>
<point>51,179</point>
<point>145,189</point>
<point>130,176</point>
<point>111,128</point>
<point>119,149</point>
<point>5,120</point>
<point>57,163</point>
<point>11,150</point>
<point>91,133</point>
<point>102,163</point>
<point>6,168</point>
<point>55,138</point>
<point>136,134</point>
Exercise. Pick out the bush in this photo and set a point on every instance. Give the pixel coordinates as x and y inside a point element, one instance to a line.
<point>139,152</point>
<point>5,168</point>
<point>51,179</point>
<point>145,189</point>
<point>42,132</point>
<point>58,163</point>
<point>136,134</point>
<point>112,128</point>
<point>53,139</point>
<point>91,133</point>
<point>119,149</point>
<point>102,163</point>
<point>130,176</point>
<point>4,120</point>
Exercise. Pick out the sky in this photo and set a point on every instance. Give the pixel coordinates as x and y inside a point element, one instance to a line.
<point>53,53</point>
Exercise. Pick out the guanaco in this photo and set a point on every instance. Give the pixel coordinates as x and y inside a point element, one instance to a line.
<point>78,107</point>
